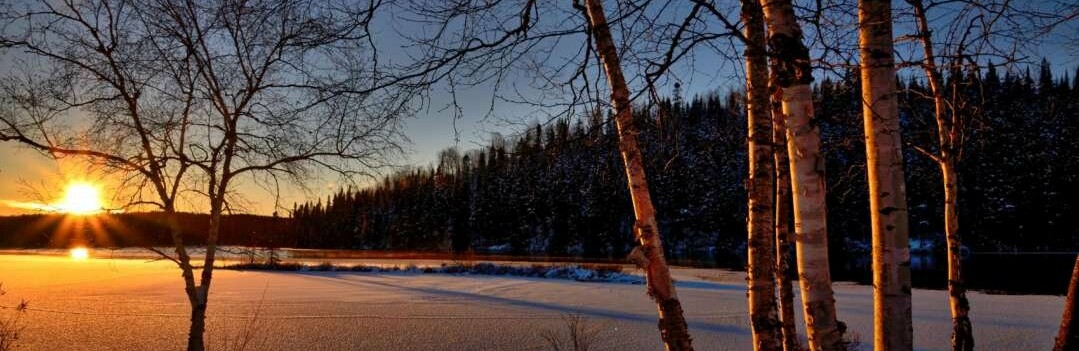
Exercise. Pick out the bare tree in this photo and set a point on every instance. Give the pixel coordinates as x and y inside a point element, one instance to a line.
<point>483,45</point>
<point>792,75</point>
<point>892,328</point>
<point>784,239</point>
<point>287,87</point>
<point>763,317</point>
<point>672,325</point>
<point>88,69</point>
<point>957,37</point>
<point>948,132</point>
<point>239,91</point>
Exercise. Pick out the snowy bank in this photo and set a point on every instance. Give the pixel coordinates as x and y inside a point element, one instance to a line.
<point>581,273</point>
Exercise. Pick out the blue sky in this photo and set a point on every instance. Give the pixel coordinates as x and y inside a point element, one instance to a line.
<point>706,70</point>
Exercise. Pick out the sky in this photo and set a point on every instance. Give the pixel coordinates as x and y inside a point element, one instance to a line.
<point>30,178</point>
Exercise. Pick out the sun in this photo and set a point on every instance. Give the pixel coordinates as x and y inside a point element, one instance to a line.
<point>80,199</point>
<point>80,253</point>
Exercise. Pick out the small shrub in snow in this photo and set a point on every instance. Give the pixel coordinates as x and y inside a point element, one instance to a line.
<point>580,334</point>
<point>9,325</point>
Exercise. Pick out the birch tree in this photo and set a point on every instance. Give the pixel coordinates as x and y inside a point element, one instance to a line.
<point>489,43</point>
<point>792,75</point>
<point>948,136</point>
<point>198,97</point>
<point>784,239</point>
<point>892,328</point>
<point>285,88</point>
<point>91,70</point>
<point>972,32</point>
<point>763,317</point>
<point>672,324</point>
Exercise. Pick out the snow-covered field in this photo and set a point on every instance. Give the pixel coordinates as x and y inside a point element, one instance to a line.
<point>124,304</point>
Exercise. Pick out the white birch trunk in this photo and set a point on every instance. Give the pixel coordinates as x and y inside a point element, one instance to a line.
<point>792,74</point>
<point>672,324</point>
<point>892,328</point>
<point>763,316</point>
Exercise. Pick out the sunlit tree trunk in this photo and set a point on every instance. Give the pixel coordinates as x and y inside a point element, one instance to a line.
<point>195,339</point>
<point>782,223</point>
<point>1068,335</point>
<point>962,330</point>
<point>763,317</point>
<point>792,74</point>
<point>202,292</point>
<point>892,328</point>
<point>672,323</point>
<point>947,135</point>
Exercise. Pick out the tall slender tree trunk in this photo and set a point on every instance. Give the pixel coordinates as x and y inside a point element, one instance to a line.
<point>672,323</point>
<point>763,317</point>
<point>792,74</point>
<point>783,223</point>
<point>947,135</point>
<point>892,328</point>
<point>1068,335</point>
<point>962,331</point>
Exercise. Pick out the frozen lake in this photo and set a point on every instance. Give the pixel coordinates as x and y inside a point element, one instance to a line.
<point>130,304</point>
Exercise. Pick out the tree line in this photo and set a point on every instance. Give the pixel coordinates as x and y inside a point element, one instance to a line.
<point>555,188</point>
<point>140,229</point>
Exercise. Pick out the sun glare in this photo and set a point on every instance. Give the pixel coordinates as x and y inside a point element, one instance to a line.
<point>80,253</point>
<point>80,199</point>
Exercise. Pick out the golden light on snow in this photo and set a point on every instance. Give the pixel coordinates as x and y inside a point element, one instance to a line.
<point>80,199</point>
<point>80,253</point>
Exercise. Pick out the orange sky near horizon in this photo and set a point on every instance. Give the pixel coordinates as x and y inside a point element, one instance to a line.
<point>35,183</point>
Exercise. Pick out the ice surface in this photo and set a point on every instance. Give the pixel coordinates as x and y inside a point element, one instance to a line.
<point>122,304</point>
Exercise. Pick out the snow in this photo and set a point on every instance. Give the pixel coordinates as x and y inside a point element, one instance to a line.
<point>509,269</point>
<point>125,304</point>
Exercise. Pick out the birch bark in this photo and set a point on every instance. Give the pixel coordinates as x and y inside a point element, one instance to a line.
<point>672,323</point>
<point>892,328</point>
<point>792,74</point>
<point>763,316</point>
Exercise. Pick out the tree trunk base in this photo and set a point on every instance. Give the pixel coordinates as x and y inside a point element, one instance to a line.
<point>195,335</point>
<point>673,327</point>
<point>962,334</point>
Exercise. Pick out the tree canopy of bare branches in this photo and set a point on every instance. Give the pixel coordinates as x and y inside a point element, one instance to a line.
<point>192,98</point>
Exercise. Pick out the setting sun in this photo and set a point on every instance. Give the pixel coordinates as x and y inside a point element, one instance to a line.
<point>80,253</point>
<point>80,199</point>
